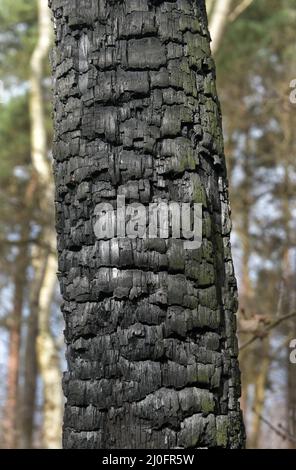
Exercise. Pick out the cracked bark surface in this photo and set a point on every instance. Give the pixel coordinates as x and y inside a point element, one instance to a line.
<point>150,327</point>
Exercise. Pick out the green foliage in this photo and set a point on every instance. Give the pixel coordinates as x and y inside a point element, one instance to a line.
<point>18,26</point>
<point>14,137</point>
<point>266,28</point>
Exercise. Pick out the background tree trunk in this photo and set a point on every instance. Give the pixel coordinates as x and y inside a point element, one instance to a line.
<point>150,327</point>
<point>11,413</point>
<point>28,392</point>
<point>218,21</point>
<point>45,265</point>
<point>47,353</point>
<point>30,373</point>
<point>259,394</point>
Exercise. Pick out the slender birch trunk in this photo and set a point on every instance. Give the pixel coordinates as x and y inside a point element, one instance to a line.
<point>220,12</point>
<point>47,352</point>
<point>45,263</point>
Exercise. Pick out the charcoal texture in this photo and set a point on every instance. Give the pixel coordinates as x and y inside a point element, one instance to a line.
<point>150,326</point>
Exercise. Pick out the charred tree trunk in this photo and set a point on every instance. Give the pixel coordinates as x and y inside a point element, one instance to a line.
<point>150,326</point>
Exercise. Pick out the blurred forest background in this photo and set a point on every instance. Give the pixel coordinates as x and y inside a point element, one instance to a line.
<point>254,44</point>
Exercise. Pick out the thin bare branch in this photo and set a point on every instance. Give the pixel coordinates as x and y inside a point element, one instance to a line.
<point>278,430</point>
<point>270,327</point>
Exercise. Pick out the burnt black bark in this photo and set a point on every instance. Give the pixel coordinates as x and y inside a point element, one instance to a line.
<point>150,326</point>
